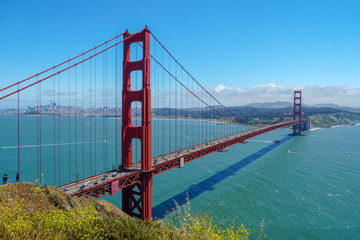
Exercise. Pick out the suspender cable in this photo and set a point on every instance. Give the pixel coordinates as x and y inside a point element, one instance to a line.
<point>170,150</point>
<point>191,92</point>
<point>194,106</point>
<point>104,112</point>
<point>155,110</point>
<point>199,117</point>
<point>187,112</point>
<point>40,170</point>
<point>45,78</point>
<point>182,115</point>
<point>196,80</point>
<point>158,101</point>
<point>206,122</point>
<point>95,114</point>
<point>76,131</point>
<point>175,96</point>
<point>201,110</point>
<point>155,82</point>
<point>37,133</point>
<point>18,126</point>
<point>163,102</point>
<point>116,108</point>
<point>83,119</point>
<point>193,113</point>
<point>106,108</point>
<point>69,112</point>
<point>54,123</point>
<point>82,54</point>
<point>59,148</point>
<point>90,118</point>
<point>203,122</point>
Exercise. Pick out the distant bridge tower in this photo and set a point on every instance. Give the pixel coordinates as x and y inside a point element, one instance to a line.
<point>136,199</point>
<point>297,128</point>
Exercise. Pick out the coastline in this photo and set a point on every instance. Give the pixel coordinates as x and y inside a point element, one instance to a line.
<point>334,126</point>
<point>318,121</point>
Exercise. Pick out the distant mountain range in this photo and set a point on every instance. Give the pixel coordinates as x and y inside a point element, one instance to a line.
<point>278,104</point>
<point>281,104</point>
<point>331,105</point>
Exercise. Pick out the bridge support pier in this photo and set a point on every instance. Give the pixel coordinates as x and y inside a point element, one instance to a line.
<point>146,183</point>
<point>136,199</point>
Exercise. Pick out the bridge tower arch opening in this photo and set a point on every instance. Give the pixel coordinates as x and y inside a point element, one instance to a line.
<point>297,128</point>
<point>136,199</point>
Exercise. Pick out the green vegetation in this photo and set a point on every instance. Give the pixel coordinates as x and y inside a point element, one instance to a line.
<point>333,119</point>
<point>321,116</point>
<point>15,223</point>
<point>201,226</point>
<point>28,211</point>
<point>320,120</point>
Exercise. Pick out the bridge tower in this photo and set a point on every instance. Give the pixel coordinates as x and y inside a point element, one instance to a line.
<point>136,199</point>
<point>297,128</point>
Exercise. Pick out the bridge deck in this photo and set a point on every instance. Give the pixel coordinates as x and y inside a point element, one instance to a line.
<point>101,184</point>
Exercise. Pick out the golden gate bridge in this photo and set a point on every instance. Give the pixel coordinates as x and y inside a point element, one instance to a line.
<point>118,137</point>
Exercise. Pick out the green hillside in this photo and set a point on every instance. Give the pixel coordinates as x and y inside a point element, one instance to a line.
<point>333,119</point>
<point>28,211</point>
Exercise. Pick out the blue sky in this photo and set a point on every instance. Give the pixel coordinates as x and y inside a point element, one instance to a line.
<point>226,45</point>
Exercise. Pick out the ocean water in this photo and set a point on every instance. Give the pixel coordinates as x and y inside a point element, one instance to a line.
<point>305,187</point>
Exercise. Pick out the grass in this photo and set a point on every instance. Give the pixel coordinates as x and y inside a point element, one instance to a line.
<point>83,222</point>
<point>29,211</point>
<point>53,224</point>
<point>328,120</point>
<point>201,226</point>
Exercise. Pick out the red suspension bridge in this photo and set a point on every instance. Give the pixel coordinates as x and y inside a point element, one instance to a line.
<point>70,122</point>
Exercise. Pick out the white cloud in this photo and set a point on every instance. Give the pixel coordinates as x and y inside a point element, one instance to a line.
<point>273,92</point>
<point>219,88</point>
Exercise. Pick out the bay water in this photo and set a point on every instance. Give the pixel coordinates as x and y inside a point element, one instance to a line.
<point>304,187</point>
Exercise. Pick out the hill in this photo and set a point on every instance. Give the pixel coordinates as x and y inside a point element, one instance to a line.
<point>320,116</point>
<point>30,212</point>
<point>282,104</point>
<point>265,115</point>
<point>334,119</point>
<point>278,104</point>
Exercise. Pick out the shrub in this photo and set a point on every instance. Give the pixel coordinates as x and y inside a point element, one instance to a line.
<point>201,226</point>
<point>79,223</point>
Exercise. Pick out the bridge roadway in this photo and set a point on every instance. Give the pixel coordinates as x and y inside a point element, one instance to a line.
<point>110,182</point>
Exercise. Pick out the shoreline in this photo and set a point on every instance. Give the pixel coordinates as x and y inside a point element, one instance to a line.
<point>334,126</point>
<point>219,122</point>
